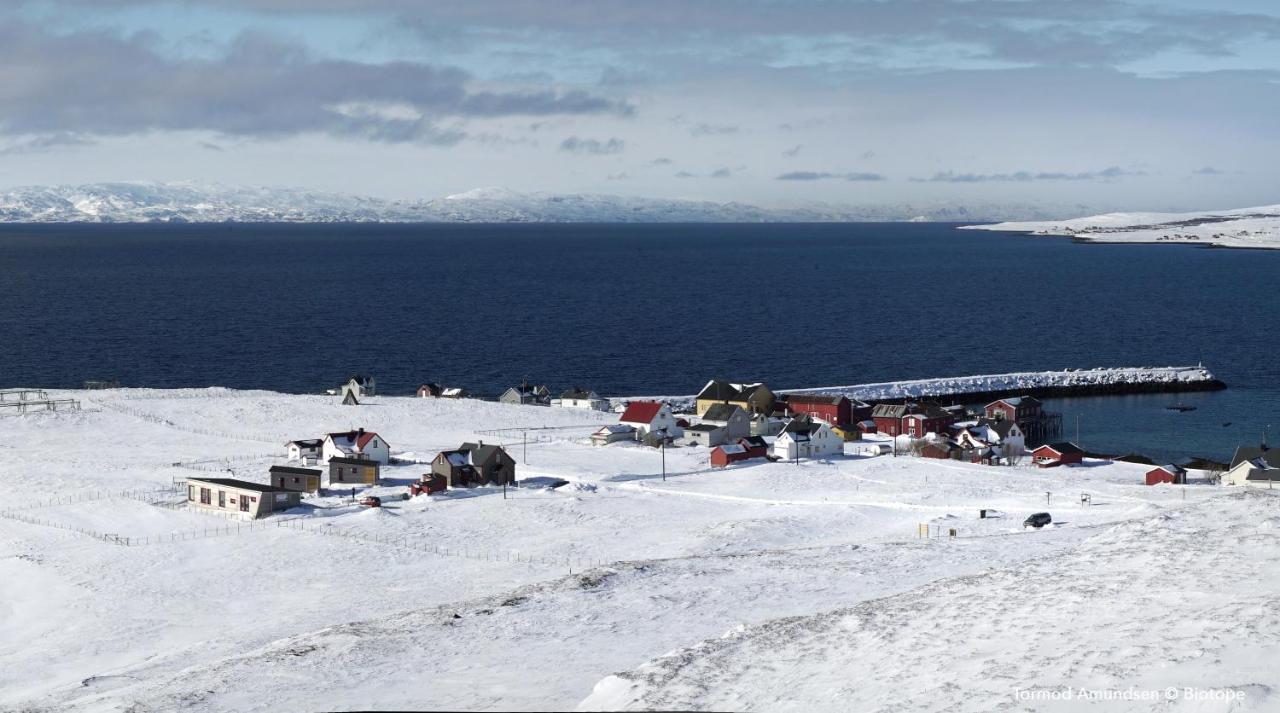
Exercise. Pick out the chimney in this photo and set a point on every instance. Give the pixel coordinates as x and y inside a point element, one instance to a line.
<point>361,431</point>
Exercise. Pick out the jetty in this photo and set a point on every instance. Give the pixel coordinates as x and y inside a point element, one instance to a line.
<point>1101,381</point>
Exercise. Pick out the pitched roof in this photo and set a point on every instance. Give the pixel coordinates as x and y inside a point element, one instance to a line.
<point>579,394</point>
<point>720,412</point>
<point>355,461</point>
<point>1172,469</point>
<point>704,428</point>
<point>754,442</point>
<point>719,391</point>
<point>828,399</point>
<point>480,453</point>
<point>732,448</point>
<point>358,438</point>
<point>1063,448</point>
<point>1271,474</point>
<point>615,428</point>
<point>235,483</point>
<point>641,412</point>
<point>291,470</point>
<point>306,442</point>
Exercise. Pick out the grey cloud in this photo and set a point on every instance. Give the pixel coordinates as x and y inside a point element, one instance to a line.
<point>825,175</point>
<point>793,151</point>
<point>721,173</point>
<point>1207,171</point>
<point>103,84</point>
<point>1038,32</point>
<point>1110,173</point>
<point>867,155</point>
<point>685,174</point>
<point>46,142</point>
<point>210,146</point>
<point>661,161</point>
<point>704,129</point>
<point>573,144</point>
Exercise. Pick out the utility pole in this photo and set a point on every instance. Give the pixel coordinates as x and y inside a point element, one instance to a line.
<point>525,457</point>
<point>1046,498</point>
<point>1078,430</point>
<point>663,447</point>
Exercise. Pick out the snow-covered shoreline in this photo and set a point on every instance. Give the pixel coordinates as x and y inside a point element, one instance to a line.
<point>1245,228</point>
<point>1102,380</point>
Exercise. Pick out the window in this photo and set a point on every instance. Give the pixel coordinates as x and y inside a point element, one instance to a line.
<point>205,496</point>
<point>244,504</point>
<point>222,498</point>
<point>191,493</point>
<point>296,480</point>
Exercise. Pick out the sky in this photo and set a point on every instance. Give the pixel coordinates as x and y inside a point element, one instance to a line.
<point>1102,103</point>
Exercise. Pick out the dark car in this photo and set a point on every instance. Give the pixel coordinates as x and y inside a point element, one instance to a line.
<point>371,501</point>
<point>1037,520</point>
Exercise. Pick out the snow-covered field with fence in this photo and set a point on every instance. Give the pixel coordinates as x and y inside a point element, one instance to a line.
<point>765,586</point>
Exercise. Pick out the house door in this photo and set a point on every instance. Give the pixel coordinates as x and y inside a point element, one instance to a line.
<point>244,503</point>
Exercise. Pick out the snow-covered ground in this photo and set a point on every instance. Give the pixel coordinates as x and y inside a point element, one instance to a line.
<point>1242,228</point>
<point>615,590</point>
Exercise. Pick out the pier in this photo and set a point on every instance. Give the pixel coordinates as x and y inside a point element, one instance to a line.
<point>22,401</point>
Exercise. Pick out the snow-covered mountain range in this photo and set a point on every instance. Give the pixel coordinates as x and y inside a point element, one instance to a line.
<point>192,202</point>
<point>1240,228</point>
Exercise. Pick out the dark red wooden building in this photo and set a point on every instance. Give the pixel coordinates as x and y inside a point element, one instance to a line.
<point>1167,474</point>
<point>1051,455</point>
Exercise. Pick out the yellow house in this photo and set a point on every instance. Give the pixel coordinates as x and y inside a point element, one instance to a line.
<point>848,432</point>
<point>752,398</point>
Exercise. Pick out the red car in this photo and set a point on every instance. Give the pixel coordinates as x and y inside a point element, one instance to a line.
<point>371,501</point>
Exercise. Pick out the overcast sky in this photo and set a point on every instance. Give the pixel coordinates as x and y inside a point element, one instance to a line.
<point>1099,102</point>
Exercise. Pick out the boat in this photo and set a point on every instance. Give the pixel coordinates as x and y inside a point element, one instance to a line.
<point>1180,407</point>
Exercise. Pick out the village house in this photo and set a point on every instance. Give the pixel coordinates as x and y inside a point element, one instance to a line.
<point>1255,466</point>
<point>721,423</point>
<point>913,418</point>
<point>744,449</point>
<point>238,497</point>
<point>1052,455</point>
<point>475,464</point>
<point>430,390</point>
<point>1002,436</point>
<point>305,450</point>
<point>752,398</point>
<point>803,437</point>
<point>349,398</point>
<point>454,392</point>
<point>1172,474</point>
<point>356,444</point>
<point>848,432</point>
<point>835,410</point>
<point>582,399</point>
<point>937,447</point>
<point>302,480</point>
<point>526,394</point>
<point>650,417</point>
<point>354,471</point>
<point>612,433</point>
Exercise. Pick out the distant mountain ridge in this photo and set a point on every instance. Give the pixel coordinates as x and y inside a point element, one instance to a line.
<point>212,203</point>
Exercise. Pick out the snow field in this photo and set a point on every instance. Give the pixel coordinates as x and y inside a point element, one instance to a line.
<point>366,616</point>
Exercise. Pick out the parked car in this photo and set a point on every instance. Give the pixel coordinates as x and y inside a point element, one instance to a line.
<point>371,501</point>
<point>1037,520</point>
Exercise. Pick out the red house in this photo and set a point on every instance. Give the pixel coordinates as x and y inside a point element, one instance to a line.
<point>1019,409</point>
<point>912,419</point>
<point>1167,474</point>
<point>1052,455</point>
<point>835,410</point>
<point>744,449</point>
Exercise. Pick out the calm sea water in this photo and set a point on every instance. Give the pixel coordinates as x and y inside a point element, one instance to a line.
<point>643,309</point>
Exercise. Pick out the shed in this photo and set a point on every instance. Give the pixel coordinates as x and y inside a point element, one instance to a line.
<point>354,471</point>
<point>1171,473</point>
<point>1052,455</point>
<point>301,480</point>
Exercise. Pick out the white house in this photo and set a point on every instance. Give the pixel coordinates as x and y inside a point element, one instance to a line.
<point>356,444</point>
<point>583,399</point>
<point>1004,437</point>
<point>722,423</point>
<point>1254,472</point>
<point>613,433</point>
<point>307,449</point>
<point>802,438</point>
<point>649,417</point>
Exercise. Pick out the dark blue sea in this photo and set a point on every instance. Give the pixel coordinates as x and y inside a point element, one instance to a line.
<point>643,309</point>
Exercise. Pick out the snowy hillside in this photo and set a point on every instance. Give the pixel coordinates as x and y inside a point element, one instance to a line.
<point>189,202</point>
<point>1241,228</point>
<point>760,587</point>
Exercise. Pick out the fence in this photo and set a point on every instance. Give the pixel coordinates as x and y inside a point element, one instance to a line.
<point>85,496</point>
<point>152,418</point>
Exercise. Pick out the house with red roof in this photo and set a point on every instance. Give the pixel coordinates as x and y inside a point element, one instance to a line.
<point>359,443</point>
<point>650,417</point>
